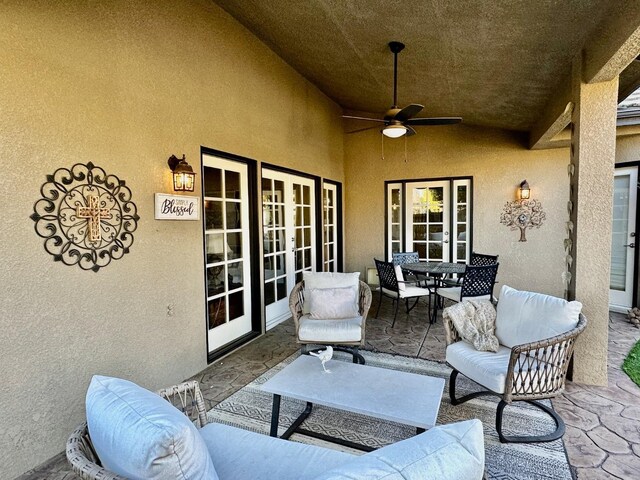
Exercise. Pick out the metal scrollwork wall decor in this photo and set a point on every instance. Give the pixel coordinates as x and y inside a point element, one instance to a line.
<point>522,214</point>
<point>86,216</point>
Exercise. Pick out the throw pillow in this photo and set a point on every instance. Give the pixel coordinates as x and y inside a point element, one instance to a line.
<point>475,321</point>
<point>323,280</point>
<point>138,434</point>
<point>333,303</point>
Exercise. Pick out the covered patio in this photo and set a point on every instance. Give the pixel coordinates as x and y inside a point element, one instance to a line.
<point>602,438</point>
<point>252,94</point>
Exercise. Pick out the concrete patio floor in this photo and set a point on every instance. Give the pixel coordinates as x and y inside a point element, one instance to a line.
<point>603,423</point>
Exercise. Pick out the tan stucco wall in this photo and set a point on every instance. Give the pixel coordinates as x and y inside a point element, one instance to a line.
<point>628,148</point>
<point>125,85</point>
<point>498,161</point>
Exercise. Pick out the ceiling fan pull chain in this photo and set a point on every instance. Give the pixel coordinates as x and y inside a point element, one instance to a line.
<point>382,139</point>
<point>405,149</point>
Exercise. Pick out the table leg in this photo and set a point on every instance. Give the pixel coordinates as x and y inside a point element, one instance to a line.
<point>275,415</point>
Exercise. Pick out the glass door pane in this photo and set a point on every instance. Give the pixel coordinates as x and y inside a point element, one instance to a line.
<point>226,222</point>
<point>329,233</point>
<point>288,225</point>
<point>394,219</point>
<point>427,220</point>
<point>623,238</point>
<point>461,221</point>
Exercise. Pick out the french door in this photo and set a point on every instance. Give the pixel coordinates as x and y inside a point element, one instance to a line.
<point>227,252</point>
<point>330,217</point>
<point>431,217</point>
<point>288,222</point>
<point>623,238</point>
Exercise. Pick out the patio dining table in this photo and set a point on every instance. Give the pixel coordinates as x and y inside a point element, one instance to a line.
<point>436,270</point>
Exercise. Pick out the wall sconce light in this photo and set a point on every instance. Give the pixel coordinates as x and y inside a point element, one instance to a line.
<point>525,191</point>
<point>183,176</point>
<point>523,213</point>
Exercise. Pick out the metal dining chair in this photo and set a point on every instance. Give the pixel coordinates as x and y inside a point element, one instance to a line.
<point>478,282</point>
<point>476,260</point>
<point>393,286</point>
<point>402,258</point>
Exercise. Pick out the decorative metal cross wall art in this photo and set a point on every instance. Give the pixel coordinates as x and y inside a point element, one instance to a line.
<point>522,214</point>
<point>86,216</point>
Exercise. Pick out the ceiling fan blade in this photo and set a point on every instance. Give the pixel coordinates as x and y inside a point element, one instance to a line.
<point>434,121</point>
<point>408,112</point>
<point>410,131</point>
<point>363,118</point>
<point>363,129</point>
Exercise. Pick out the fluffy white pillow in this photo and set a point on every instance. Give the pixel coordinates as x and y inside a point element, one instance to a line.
<point>524,317</point>
<point>138,434</point>
<point>333,303</point>
<point>322,280</point>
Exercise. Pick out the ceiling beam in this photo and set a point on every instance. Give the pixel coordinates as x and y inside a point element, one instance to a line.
<point>614,45</point>
<point>556,117</point>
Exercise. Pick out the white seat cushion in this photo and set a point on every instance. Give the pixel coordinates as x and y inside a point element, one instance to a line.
<point>242,455</point>
<point>453,293</point>
<point>524,317</point>
<point>321,280</point>
<point>486,368</point>
<point>138,434</point>
<point>411,292</point>
<point>327,331</point>
<point>400,277</point>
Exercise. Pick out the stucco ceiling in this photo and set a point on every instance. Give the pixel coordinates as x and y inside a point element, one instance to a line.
<point>495,63</point>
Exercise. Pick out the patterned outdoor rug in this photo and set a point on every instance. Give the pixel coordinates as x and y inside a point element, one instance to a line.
<point>250,408</point>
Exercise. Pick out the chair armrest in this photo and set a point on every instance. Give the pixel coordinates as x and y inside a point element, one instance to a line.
<point>451,334</point>
<point>296,301</point>
<point>539,369</point>
<point>83,459</point>
<point>187,398</point>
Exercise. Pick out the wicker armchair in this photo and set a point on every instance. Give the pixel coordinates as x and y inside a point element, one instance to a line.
<point>82,457</point>
<point>296,304</point>
<point>536,370</point>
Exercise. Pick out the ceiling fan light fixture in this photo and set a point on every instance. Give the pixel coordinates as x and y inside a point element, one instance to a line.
<point>394,131</point>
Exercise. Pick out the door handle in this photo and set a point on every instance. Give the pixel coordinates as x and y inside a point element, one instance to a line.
<point>631,245</point>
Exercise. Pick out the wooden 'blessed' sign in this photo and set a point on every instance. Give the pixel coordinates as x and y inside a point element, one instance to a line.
<point>177,207</point>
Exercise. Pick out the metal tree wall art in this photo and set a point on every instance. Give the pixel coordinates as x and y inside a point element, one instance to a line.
<point>86,217</point>
<point>522,214</point>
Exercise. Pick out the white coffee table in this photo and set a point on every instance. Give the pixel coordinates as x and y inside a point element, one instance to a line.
<point>400,397</point>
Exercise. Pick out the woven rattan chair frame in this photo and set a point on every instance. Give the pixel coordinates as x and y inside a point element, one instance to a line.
<point>536,371</point>
<point>296,303</point>
<point>82,457</point>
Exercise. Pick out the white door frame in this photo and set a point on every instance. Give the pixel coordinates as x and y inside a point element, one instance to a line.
<point>622,253</point>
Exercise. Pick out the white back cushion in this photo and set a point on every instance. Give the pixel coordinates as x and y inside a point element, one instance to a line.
<point>400,277</point>
<point>138,434</point>
<point>524,317</point>
<point>320,280</point>
<point>332,303</point>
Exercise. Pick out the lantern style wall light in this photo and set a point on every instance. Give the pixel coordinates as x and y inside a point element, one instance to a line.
<point>525,191</point>
<point>183,176</point>
<point>523,213</point>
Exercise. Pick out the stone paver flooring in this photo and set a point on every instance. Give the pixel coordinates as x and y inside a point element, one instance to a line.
<point>603,423</point>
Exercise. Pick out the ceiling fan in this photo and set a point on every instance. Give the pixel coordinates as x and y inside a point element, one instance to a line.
<point>399,121</point>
